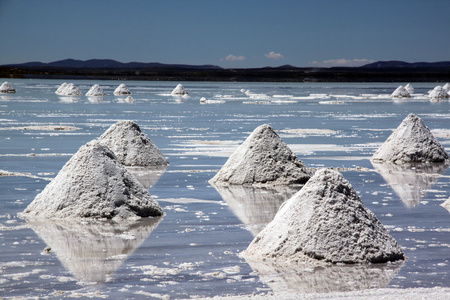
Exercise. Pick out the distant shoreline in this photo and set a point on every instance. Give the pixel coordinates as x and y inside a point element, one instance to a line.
<point>286,74</point>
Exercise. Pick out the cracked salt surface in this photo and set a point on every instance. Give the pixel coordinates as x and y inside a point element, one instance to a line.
<point>193,251</point>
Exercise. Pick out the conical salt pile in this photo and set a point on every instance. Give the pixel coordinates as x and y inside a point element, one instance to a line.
<point>400,92</point>
<point>122,90</point>
<point>70,90</point>
<point>325,221</point>
<point>7,88</point>
<point>412,141</point>
<point>131,146</point>
<point>93,184</point>
<point>61,88</point>
<point>179,91</point>
<point>263,159</point>
<point>438,93</point>
<point>409,88</point>
<point>95,90</point>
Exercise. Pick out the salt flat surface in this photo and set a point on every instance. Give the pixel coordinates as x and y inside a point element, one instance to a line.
<point>193,251</point>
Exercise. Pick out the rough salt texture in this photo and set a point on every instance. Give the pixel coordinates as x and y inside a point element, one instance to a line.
<point>438,93</point>
<point>401,92</point>
<point>95,90</point>
<point>93,184</point>
<point>7,88</point>
<point>409,88</point>
<point>122,90</point>
<point>61,88</point>
<point>446,87</point>
<point>263,159</point>
<point>326,221</point>
<point>412,141</point>
<point>179,90</point>
<point>131,146</point>
<point>70,90</point>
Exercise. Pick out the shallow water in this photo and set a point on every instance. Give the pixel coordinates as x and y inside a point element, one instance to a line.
<point>192,251</point>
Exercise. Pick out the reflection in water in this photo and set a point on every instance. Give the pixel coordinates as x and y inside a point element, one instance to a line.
<point>255,206</point>
<point>325,279</point>
<point>93,250</point>
<point>147,176</point>
<point>409,181</point>
<point>95,99</point>
<point>69,99</point>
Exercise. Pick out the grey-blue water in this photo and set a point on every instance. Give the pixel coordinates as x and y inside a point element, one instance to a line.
<point>193,250</point>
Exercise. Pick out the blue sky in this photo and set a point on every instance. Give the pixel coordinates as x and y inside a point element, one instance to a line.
<point>228,33</point>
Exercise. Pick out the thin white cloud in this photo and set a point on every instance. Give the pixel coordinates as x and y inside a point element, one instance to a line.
<point>342,62</point>
<point>232,57</point>
<point>274,55</point>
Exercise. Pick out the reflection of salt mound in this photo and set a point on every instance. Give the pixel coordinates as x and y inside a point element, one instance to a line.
<point>409,88</point>
<point>446,204</point>
<point>122,90</point>
<point>70,90</point>
<point>263,159</point>
<point>410,181</point>
<point>7,88</point>
<point>324,279</point>
<point>325,221</point>
<point>129,99</point>
<point>93,251</point>
<point>438,93</point>
<point>179,90</point>
<point>93,184</point>
<point>147,176</point>
<point>255,206</point>
<point>401,92</point>
<point>131,146</point>
<point>412,141</point>
<point>95,90</point>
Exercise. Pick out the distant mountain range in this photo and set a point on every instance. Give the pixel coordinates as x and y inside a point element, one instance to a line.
<point>109,64</point>
<point>113,64</point>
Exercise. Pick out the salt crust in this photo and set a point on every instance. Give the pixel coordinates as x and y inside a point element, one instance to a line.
<point>7,88</point>
<point>263,159</point>
<point>401,92</point>
<point>122,90</point>
<point>412,141</point>
<point>93,184</point>
<point>131,146</point>
<point>95,90</point>
<point>179,90</point>
<point>325,222</point>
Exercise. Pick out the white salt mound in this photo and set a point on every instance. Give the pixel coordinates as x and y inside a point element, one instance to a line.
<point>438,93</point>
<point>70,90</point>
<point>446,204</point>
<point>93,184</point>
<point>446,87</point>
<point>7,88</point>
<point>129,99</point>
<point>412,141</point>
<point>122,90</point>
<point>95,90</point>
<point>400,92</point>
<point>263,159</point>
<point>325,221</point>
<point>179,90</point>
<point>61,88</point>
<point>409,88</point>
<point>131,146</point>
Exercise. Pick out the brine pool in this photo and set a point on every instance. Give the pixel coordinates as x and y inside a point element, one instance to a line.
<point>193,250</point>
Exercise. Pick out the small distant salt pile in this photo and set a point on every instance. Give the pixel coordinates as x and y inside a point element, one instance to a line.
<point>446,204</point>
<point>131,146</point>
<point>61,88</point>
<point>179,91</point>
<point>7,88</point>
<point>412,141</point>
<point>438,93</point>
<point>96,90</point>
<point>70,90</point>
<point>122,90</point>
<point>263,159</point>
<point>400,92</point>
<point>325,221</point>
<point>447,87</point>
<point>93,184</point>
<point>409,88</point>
